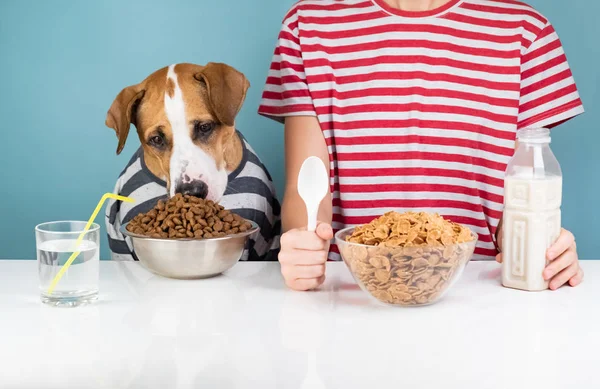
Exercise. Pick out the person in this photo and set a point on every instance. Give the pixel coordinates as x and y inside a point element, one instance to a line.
<point>413,105</point>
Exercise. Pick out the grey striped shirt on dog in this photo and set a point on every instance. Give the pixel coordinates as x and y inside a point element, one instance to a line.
<point>250,193</point>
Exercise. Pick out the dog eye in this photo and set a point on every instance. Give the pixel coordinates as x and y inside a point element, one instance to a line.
<point>203,128</point>
<point>157,141</point>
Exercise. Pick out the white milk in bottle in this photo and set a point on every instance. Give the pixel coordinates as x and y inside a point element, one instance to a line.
<point>531,220</point>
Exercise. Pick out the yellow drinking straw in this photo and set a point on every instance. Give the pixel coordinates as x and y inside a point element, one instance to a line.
<point>87,227</point>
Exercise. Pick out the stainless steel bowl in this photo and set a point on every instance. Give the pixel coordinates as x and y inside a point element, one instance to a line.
<point>189,258</point>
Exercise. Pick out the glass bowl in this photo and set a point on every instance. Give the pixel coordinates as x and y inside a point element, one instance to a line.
<point>405,276</point>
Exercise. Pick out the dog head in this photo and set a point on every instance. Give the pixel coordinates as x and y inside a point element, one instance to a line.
<point>185,119</point>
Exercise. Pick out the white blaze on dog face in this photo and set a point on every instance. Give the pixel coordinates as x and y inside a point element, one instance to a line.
<point>189,164</point>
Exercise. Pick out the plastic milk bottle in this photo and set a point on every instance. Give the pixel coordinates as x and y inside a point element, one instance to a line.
<point>532,199</point>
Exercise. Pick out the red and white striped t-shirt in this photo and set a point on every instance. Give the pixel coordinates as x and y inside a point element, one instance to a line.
<point>419,110</point>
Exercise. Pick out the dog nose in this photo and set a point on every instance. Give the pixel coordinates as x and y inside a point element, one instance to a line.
<point>194,188</point>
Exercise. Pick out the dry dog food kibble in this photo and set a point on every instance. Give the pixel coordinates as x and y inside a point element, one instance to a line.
<point>413,256</point>
<point>187,217</point>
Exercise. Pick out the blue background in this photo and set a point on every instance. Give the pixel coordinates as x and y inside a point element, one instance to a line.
<point>62,62</point>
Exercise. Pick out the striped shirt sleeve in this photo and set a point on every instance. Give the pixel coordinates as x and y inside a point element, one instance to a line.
<point>549,95</point>
<point>252,196</point>
<point>286,91</point>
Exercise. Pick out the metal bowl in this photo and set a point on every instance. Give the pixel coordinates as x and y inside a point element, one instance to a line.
<point>188,258</point>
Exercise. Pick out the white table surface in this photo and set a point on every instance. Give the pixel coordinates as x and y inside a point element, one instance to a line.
<point>245,330</point>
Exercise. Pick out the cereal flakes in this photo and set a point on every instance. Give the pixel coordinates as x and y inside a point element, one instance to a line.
<point>412,258</point>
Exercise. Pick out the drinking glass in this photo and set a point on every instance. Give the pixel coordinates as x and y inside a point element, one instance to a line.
<point>55,242</point>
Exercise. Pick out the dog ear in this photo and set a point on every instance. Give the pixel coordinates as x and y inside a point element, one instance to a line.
<point>122,112</point>
<point>226,89</point>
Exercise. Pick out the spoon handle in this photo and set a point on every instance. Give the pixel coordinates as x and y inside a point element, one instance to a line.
<point>312,219</point>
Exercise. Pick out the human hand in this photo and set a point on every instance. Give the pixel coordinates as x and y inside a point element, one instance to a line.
<point>303,255</point>
<point>564,263</point>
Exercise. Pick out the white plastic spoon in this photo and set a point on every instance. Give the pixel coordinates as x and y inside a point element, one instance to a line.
<point>313,185</point>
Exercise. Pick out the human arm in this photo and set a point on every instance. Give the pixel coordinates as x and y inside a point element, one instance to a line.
<point>303,254</point>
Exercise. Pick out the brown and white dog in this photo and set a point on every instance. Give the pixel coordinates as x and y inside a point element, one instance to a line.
<point>185,119</point>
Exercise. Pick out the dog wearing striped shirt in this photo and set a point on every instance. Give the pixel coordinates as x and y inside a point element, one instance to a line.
<point>185,119</point>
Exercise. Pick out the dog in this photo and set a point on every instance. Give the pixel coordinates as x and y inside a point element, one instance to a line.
<point>185,119</point>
